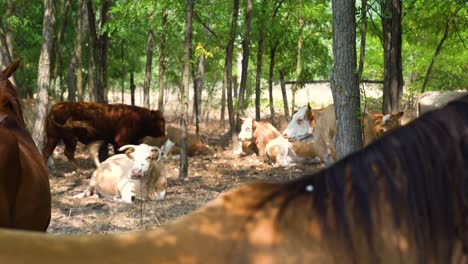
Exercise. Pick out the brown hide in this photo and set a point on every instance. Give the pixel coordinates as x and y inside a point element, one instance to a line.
<point>25,199</point>
<point>262,133</point>
<point>194,146</point>
<point>118,124</point>
<point>374,126</point>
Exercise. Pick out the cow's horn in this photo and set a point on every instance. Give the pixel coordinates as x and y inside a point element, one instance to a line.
<point>126,147</point>
<point>159,152</point>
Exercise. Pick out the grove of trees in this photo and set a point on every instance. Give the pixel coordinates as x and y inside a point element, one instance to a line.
<point>87,49</point>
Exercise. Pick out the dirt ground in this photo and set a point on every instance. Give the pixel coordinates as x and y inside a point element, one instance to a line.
<point>216,171</point>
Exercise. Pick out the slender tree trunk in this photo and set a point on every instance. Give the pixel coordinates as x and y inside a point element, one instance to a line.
<point>9,29</point>
<point>228,72</point>
<point>149,64</point>
<point>122,71</point>
<point>132,89</point>
<point>245,62</point>
<point>5,58</point>
<point>185,89</point>
<point>344,85</point>
<point>362,53</point>
<point>439,47</point>
<point>79,50</point>
<point>198,91</point>
<point>270,80</point>
<point>285,95</point>
<point>258,76</point>
<point>393,73</point>
<point>43,79</point>
<point>298,59</point>
<point>58,65</point>
<point>71,80</point>
<point>222,123</point>
<point>162,59</point>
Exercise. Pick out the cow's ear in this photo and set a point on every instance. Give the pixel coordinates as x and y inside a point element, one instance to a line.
<point>129,152</point>
<point>242,119</point>
<point>254,124</point>
<point>400,114</point>
<point>294,111</point>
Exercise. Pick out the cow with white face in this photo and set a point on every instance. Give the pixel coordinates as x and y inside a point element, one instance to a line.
<point>136,174</point>
<point>302,124</point>
<point>255,135</point>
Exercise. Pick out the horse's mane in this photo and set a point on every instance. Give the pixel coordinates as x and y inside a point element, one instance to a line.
<point>419,171</point>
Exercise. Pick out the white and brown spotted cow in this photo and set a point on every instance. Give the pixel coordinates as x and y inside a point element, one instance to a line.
<point>255,135</point>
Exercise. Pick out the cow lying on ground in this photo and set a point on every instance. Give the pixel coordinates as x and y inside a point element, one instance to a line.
<point>136,174</point>
<point>402,199</point>
<point>432,100</point>
<point>117,124</point>
<point>25,199</point>
<point>319,127</point>
<point>194,144</point>
<point>254,136</point>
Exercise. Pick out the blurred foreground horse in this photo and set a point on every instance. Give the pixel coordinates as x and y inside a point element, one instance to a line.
<point>24,183</point>
<point>402,199</point>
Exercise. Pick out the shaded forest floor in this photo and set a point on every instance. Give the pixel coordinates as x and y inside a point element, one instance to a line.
<point>217,170</point>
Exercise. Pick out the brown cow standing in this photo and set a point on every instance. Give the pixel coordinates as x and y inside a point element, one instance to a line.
<point>25,199</point>
<point>87,122</point>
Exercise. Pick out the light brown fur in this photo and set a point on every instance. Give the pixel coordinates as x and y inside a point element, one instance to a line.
<point>194,146</point>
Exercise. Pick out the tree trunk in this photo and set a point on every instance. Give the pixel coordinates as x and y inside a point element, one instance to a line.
<point>185,89</point>
<point>270,80</point>
<point>222,123</point>
<point>197,95</point>
<point>258,76</point>
<point>245,62</point>
<point>5,58</point>
<point>132,89</point>
<point>122,71</point>
<point>298,59</point>
<point>71,80</point>
<point>58,66</point>
<point>149,64</point>
<point>228,72</point>
<point>362,53</point>
<point>439,47</point>
<point>43,78</point>
<point>162,58</point>
<point>99,46</point>
<point>9,29</point>
<point>393,75</point>
<point>285,95</point>
<point>344,79</point>
<point>79,50</point>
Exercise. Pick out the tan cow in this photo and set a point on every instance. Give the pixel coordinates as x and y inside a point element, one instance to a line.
<point>195,144</point>
<point>318,128</point>
<point>136,174</point>
<point>254,136</point>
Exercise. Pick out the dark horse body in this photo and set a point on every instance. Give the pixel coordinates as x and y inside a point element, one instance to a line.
<point>400,200</point>
<point>25,198</point>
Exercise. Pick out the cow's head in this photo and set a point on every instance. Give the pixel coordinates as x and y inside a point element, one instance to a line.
<point>302,124</point>
<point>142,156</point>
<point>158,124</point>
<point>390,122</point>
<point>247,129</point>
<point>385,123</point>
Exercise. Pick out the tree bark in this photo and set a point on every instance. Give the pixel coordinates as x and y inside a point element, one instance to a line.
<point>362,53</point>
<point>270,80</point>
<point>79,50</point>
<point>298,59</point>
<point>43,78</point>
<point>185,89</point>
<point>122,72</point>
<point>132,89</point>
<point>439,48</point>
<point>162,60</point>
<point>5,58</point>
<point>228,72</point>
<point>58,65</point>
<point>393,73</point>
<point>344,86</point>
<point>245,61</point>
<point>258,75</point>
<point>285,95</point>
<point>71,80</point>
<point>149,64</point>
<point>197,95</point>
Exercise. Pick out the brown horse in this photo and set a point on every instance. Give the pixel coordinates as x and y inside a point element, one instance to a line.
<point>24,183</point>
<point>402,199</point>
